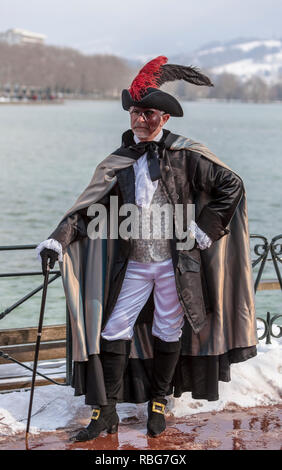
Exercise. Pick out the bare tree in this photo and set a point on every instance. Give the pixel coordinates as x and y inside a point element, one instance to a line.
<point>227,86</point>
<point>256,90</point>
<point>61,69</point>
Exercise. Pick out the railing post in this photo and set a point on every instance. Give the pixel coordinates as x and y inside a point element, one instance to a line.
<point>68,348</point>
<point>268,330</point>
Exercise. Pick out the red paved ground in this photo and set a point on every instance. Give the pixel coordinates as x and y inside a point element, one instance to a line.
<point>250,428</point>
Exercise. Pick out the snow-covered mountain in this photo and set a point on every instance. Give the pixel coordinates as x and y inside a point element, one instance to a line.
<point>242,57</point>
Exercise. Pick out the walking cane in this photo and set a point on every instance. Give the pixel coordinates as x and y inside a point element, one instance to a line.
<point>36,354</point>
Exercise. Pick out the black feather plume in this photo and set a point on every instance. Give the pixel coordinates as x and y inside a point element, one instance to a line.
<point>191,74</point>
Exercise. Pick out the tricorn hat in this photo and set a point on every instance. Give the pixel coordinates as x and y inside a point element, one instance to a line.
<point>144,90</point>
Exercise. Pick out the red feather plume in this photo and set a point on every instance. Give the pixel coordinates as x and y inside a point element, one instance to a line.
<point>147,77</point>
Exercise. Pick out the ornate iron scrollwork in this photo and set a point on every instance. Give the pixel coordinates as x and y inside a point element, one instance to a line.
<point>262,250</point>
<point>268,324</point>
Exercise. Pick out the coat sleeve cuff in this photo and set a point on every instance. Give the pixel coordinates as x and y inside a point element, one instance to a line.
<point>211,224</point>
<point>63,234</point>
<point>71,229</point>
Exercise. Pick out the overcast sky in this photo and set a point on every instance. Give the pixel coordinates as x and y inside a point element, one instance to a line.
<point>144,28</point>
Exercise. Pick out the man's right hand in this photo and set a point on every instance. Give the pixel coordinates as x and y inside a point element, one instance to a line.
<point>47,254</point>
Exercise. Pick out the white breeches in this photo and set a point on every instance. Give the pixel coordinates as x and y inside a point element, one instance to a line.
<point>140,278</point>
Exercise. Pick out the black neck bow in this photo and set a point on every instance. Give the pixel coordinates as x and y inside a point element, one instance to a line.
<point>154,150</point>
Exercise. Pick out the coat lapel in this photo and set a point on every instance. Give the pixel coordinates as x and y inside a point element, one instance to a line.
<point>126,182</point>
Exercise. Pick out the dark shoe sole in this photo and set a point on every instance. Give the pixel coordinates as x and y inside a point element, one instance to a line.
<point>154,434</point>
<point>86,437</point>
<point>113,429</point>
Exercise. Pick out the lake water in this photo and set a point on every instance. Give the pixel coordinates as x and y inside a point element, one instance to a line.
<point>48,154</point>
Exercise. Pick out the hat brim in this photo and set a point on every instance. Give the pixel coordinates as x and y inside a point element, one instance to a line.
<point>156,99</point>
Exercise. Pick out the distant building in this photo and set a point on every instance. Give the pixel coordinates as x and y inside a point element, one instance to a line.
<point>21,36</point>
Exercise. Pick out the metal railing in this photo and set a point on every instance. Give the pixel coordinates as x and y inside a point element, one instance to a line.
<point>262,250</point>
<point>30,294</point>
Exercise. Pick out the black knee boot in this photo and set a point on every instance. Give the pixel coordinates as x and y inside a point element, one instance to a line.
<point>114,357</point>
<point>104,418</point>
<point>165,359</point>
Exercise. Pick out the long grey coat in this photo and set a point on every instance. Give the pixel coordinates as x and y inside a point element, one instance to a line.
<point>215,286</point>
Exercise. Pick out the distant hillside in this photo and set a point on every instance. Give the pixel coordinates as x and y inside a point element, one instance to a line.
<point>245,58</point>
<point>242,69</point>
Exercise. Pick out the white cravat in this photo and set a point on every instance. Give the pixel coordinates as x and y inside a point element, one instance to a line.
<point>144,186</point>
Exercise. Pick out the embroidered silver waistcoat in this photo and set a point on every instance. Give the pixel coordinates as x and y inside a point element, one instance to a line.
<point>149,249</point>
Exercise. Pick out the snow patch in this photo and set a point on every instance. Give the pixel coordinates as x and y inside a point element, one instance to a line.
<point>248,46</point>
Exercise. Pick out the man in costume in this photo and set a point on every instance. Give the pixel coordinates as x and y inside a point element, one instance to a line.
<point>150,319</point>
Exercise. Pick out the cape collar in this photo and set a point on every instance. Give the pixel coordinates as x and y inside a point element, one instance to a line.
<point>128,141</point>
<point>156,139</point>
<point>128,137</point>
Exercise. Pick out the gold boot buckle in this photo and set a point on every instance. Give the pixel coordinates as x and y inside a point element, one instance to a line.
<point>95,413</point>
<point>158,407</point>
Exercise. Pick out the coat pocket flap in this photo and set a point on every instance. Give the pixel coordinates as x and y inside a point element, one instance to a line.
<point>187,263</point>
